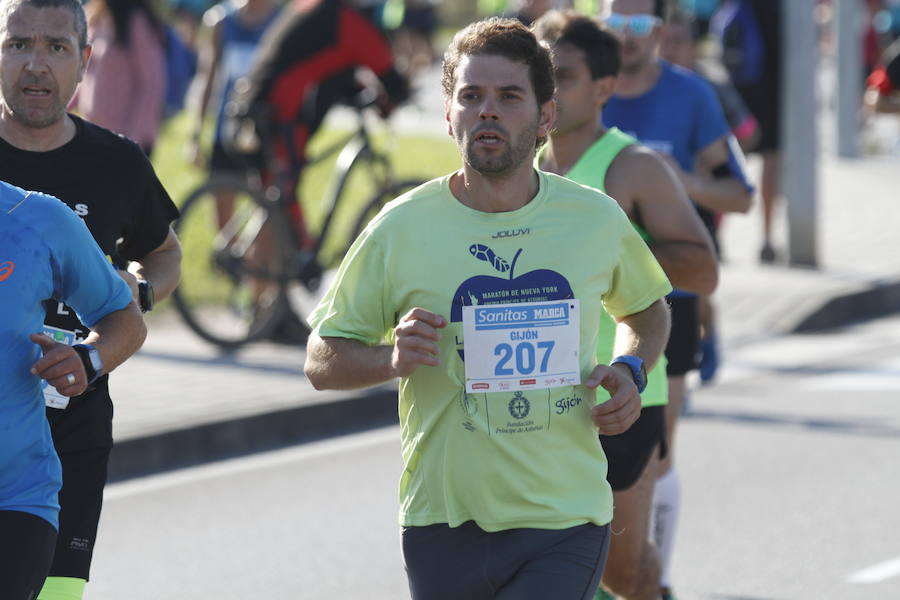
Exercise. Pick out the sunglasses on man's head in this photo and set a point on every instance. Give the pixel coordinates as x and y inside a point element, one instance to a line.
<point>638,25</point>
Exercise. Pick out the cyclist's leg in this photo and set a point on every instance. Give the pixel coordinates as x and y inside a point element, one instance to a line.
<point>319,97</point>
<point>222,162</point>
<point>290,157</point>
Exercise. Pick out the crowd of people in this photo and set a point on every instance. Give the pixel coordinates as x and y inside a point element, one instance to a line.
<point>600,148</point>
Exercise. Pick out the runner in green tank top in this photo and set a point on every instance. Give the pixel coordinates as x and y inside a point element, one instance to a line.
<point>586,62</point>
<point>591,170</point>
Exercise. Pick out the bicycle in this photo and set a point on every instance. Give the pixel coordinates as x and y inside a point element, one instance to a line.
<point>244,280</point>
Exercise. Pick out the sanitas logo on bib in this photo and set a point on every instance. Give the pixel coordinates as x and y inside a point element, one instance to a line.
<point>539,285</point>
<point>6,269</point>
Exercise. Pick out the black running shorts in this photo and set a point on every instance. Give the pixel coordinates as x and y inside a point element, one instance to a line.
<point>26,549</point>
<point>451,563</point>
<point>628,453</point>
<point>80,501</point>
<point>683,349</point>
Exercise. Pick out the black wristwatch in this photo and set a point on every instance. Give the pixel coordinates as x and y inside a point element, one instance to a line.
<point>90,358</point>
<point>145,295</point>
<point>637,368</point>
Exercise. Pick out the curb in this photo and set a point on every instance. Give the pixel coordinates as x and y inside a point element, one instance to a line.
<point>879,300</point>
<point>155,453</point>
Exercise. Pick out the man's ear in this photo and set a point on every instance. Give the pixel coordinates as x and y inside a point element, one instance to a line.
<point>85,59</point>
<point>447,118</point>
<point>547,118</point>
<point>603,90</point>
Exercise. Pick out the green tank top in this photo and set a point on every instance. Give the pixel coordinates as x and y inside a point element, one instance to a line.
<point>590,170</point>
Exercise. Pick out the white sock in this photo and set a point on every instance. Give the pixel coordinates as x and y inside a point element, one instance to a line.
<point>664,520</point>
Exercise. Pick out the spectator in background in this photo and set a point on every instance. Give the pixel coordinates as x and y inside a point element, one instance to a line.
<point>413,39</point>
<point>307,62</point>
<point>234,28</point>
<point>124,85</point>
<point>750,33</point>
<point>681,46</point>
<point>529,11</point>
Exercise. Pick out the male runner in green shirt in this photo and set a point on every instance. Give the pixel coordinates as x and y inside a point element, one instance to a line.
<point>488,285</point>
<point>586,61</point>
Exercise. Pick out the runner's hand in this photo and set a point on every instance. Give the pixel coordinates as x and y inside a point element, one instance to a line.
<point>623,408</point>
<point>416,340</point>
<point>59,360</point>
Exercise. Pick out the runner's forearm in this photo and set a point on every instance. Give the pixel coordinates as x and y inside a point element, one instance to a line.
<point>344,364</point>
<point>690,266</point>
<point>162,267</point>
<point>726,195</point>
<point>644,334</point>
<point>118,335</point>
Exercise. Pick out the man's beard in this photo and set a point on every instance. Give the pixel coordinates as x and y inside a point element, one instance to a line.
<point>515,153</point>
<point>638,62</point>
<point>17,108</point>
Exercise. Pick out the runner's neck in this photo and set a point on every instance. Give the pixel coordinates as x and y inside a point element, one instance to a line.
<point>495,194</point>
<point>564,150</point>
<point>34,139</point>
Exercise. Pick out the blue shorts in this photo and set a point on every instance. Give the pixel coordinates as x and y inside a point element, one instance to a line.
<point>444,563</point>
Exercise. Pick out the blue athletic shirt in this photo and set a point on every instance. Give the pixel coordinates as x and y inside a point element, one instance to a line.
<point>679,116</point>
<point>46,252</point>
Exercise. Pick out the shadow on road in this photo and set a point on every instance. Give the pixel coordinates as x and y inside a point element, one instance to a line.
<point>861,427</point>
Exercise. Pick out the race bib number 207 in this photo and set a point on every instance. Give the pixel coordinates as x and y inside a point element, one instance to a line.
<point>524,346</point>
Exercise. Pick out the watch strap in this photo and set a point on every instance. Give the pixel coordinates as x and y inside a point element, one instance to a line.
<point>90,358</point>
<point>145,295</point>
<point>638,371</point>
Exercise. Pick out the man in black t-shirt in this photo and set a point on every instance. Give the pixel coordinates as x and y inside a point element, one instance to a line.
<point>108,181</point>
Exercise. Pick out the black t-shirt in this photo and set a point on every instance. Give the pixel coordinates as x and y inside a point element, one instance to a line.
<point>109,182</point>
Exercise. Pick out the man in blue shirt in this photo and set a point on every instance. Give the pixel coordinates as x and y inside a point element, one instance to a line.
<point>47,254</point>
<point>676,113</point>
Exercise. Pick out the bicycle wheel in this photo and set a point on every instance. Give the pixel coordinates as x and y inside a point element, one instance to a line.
<point>301,298</point>
<point>237,256</point>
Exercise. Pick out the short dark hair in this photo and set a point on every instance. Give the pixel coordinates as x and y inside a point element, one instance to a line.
<point>601,48</point>
<point>501,37</point>
<point>8,6</point>
<point>659,9</point>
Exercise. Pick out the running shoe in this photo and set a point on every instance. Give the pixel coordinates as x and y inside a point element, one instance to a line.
<point>767,254</point>
<point>709,358</point>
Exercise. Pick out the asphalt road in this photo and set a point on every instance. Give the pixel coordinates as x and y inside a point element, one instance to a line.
<point>788,464</point>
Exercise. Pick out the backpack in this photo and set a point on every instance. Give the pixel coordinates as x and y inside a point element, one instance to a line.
<point>181,65</point>
<point>743,48</point>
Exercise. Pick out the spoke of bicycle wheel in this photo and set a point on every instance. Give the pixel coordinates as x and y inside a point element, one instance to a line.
<point>225,236</point>
<point>249,233</point>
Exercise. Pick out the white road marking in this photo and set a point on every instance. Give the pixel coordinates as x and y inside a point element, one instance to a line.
<point>152,483</point>
<point>877,573</point>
